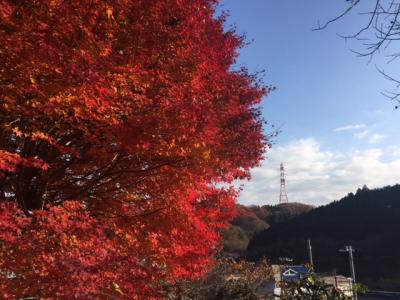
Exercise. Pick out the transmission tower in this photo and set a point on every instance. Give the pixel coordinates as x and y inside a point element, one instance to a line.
<point>283,198</point>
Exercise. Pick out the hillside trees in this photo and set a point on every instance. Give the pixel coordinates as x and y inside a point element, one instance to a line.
<point>373,234</point>
<point>117,121</point>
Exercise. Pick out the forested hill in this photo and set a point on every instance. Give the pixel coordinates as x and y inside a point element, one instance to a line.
<point>368,220</point>
<point>253,219</point>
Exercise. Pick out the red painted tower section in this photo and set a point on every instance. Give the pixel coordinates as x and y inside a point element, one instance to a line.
<point>283,198</point>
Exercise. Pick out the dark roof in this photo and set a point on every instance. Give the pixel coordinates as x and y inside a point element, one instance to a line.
<point>294,273</point>
<point>301,269</point>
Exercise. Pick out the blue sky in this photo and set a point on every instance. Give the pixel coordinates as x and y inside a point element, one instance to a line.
<point>338,131</point>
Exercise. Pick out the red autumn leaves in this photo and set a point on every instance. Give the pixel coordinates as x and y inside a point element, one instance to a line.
<point>117,122</point>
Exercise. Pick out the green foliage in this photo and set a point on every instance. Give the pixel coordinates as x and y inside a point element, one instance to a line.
<point>311,288</point>
<point>360,288</point>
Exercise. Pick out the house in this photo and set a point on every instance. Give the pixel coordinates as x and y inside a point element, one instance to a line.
<point>294,273</point>
<point>287,273</point>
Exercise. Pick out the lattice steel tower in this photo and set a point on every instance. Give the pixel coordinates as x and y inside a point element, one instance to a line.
<point>283,198</point>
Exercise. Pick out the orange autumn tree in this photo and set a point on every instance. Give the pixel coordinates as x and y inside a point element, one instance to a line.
<point>121,124</point>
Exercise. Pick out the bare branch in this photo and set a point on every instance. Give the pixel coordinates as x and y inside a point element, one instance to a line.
<point>366,27</point>
<point>353,4</point>
<point>377,36</point>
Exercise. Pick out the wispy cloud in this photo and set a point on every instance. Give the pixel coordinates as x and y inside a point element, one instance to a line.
<point>376,138</point>
<point>350,127</point>
<point>317,176</point>
<point>361,135</point>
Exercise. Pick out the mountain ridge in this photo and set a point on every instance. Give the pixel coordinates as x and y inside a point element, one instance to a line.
<point>369,220</point>
<point>253,219</point>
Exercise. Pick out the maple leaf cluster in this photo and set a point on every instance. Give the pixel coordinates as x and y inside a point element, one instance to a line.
<point>121,124</point>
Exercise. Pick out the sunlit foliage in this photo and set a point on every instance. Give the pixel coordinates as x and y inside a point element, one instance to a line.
<point>119,120</point>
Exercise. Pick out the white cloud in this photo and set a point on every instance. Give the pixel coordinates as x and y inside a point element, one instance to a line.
<point>395,151</point>
<point>376,138</point>
<point>350,127</point>
<point>361,135</point>
<point>316,176</point>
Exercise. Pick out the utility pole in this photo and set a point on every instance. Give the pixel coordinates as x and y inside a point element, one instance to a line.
<point>334,274</point>
<point>350,250</point>
<point>310,254</point>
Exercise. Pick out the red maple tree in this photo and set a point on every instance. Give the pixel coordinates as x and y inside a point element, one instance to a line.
<point>119,120</point>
